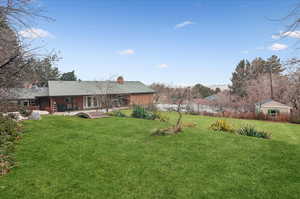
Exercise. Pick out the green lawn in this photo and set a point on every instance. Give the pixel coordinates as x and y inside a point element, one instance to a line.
<point>68,157</point>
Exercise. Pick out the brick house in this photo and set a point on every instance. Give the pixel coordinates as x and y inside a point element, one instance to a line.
<point>62,96</point>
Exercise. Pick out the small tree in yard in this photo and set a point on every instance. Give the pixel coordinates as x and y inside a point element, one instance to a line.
<point>183,96</point>
<point>106,88</point>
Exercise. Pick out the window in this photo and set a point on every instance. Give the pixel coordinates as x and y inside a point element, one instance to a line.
<point>24,102</point>
<point>273,112</point>
<point>32,102</point>
<point>95,101</point>
<point>89,101</point>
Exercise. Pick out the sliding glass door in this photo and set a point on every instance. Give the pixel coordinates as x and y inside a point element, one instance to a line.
<point>91,102</point>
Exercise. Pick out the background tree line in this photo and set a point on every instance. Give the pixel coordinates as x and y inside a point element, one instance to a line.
<point>169,94</point>
<point>41,71</point>
<point>259,80</point>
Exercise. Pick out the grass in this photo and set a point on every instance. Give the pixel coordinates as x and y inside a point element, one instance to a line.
<point>69,157</point>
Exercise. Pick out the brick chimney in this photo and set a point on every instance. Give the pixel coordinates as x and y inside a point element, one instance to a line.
<point>120,80</point>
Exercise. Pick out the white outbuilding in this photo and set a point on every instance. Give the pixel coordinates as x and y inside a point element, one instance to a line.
<point>272,108</point>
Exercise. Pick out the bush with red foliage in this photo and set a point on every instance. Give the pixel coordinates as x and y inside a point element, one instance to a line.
<point>251,115</point>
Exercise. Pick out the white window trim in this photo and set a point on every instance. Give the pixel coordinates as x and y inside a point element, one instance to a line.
<point>85,102</point>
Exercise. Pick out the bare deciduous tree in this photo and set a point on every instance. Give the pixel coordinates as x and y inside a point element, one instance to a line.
<point>109,97</point>
<point>293,67</point>
<point>106,88</point>
<point>182,97</point>
<point>14,54</point>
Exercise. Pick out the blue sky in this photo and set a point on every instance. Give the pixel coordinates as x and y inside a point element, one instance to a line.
<point>179,42</point>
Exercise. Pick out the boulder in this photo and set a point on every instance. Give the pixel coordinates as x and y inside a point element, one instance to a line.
<point>35,116</point>
<point>42,112</point>
<point>20,118</point>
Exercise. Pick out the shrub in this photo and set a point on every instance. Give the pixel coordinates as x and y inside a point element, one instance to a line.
<point>25,112</point>
<point>117,114</point>
<point>251,131</point>
<point>221,125</point>
<point>295,118</point>
<point>10,132</point>
<point>141,112</point>
<point>261,116</point>
<point>251,115</point>
<point>283,117</point>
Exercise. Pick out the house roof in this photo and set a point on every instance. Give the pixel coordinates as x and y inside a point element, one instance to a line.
<point>211,97</point>
<point>75,88</point>
<point>72,88</point>
<point>271,103</point>
<point>27,93</point>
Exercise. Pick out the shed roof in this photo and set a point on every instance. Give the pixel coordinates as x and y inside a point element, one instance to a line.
<point>72,88</point>
<point>269,103</point>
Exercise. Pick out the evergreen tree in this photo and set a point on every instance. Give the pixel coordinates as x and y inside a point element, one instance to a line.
<point>43,70</point>
<point>273,64</point>
<point>69,76</point>
<point>260,66</point>
<point>239,78</point>
<point>257,68</point>
<point>217,90</point>
<point>200,90</point>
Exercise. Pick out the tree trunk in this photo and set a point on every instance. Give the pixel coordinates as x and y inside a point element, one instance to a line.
<point>177,128</point>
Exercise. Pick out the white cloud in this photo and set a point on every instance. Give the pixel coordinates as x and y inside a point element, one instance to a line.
<point>245,52</point>
<point>293,34</point>
<point>34,33</point>
<point>277,47</point>
<point>126,52</point>
<point>276,36</point>
<point>163,65</point>
<point>183,24</point>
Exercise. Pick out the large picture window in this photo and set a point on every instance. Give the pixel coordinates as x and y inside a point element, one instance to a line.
<point>91,102</point>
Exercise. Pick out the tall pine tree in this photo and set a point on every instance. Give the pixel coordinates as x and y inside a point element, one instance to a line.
<point>246,71</point>
<point>273,64</point>
<point>239,78</point>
